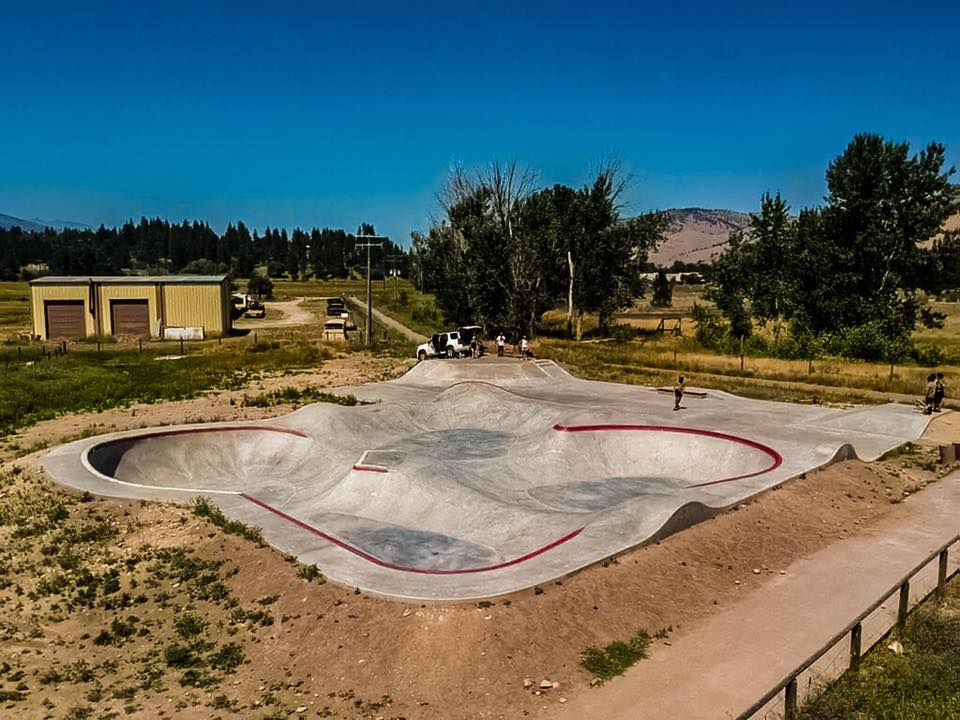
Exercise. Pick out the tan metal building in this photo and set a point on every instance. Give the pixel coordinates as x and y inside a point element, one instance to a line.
<point>142,306</point>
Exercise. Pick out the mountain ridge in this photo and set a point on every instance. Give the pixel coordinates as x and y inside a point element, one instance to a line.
<point>39,224</point>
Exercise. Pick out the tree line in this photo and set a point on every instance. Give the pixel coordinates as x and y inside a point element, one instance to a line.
<point>844,278</point>
<point>505,251</point>
<point>159,247</point>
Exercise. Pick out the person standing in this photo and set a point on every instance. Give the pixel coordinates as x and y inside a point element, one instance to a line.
<point>524,347</point>
<point>939,391</point>
<point>678,388</point>
<point>501,342</point>
<point>930,394</point>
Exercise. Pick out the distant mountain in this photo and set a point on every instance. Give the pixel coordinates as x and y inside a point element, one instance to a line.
<point>697,234</point>
<point>38,224</point>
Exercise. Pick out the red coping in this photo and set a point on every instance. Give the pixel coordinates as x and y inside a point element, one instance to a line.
<point>377,561</point>
<point>370,468</point>
<point>776,458</point>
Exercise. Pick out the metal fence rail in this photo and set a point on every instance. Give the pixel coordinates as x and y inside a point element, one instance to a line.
<point>788,686</point>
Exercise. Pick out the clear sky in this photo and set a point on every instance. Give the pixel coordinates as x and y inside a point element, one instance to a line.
<point>335,113</point>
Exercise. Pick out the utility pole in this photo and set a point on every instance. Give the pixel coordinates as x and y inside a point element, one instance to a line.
<point>395,272</point>
<point>369,245</point>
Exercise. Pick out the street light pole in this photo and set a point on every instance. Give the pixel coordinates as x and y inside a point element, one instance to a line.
<point>369,245</point>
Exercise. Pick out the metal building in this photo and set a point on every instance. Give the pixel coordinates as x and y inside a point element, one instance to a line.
<point>141,306</point>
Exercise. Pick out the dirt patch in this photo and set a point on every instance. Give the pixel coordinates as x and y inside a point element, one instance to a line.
<point>280,313</point>
<point>328,651</point>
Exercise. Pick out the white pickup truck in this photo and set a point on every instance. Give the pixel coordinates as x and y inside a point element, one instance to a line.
<point>449,344</point>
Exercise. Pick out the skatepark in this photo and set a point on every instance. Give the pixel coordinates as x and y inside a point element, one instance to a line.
<point>469,479</point>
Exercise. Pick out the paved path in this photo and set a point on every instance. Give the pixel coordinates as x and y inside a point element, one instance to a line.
<point>718,668</point>
<point>386,320</point>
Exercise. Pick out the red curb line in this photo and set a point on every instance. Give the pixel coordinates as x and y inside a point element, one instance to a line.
<point>776,457</point>
<point>390,566</point>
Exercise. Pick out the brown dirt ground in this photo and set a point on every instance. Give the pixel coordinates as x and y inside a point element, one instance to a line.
<point>331,652</point>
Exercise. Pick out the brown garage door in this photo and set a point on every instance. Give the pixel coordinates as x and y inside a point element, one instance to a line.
<point>129,317</point>
<point>64,318</point>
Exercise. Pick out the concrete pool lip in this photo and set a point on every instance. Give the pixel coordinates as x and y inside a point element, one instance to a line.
<point>533,501</point>
<point>776,459</point>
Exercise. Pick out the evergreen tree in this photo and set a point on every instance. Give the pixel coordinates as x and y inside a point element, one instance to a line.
<point>662,291</point>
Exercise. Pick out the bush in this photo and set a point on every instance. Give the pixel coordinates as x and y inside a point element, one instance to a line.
<point>426,311</point>
<point>929,355</point>
<point>621,333</point>
<point>177,655</point>
<point>866,342</point>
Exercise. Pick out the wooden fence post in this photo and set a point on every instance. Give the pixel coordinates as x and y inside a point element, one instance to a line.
<point>942,574</point>
<point>790,700</point>
<point>903,607</point>
<point>856,635</point>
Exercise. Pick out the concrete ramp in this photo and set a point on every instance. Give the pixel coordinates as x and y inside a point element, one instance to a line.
<point>474,478</point>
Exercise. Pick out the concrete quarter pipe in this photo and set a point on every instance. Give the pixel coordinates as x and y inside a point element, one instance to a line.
<point>474,478</point>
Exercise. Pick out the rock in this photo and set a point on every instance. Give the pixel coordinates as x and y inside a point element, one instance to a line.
<point>756,571</point>
<point>895,647</point>
<point>301,708</point>
<point>546,685</point>
<point>406,613</point>
<point>563,700</point>
<point>527,683</point>
<point>555,684</point>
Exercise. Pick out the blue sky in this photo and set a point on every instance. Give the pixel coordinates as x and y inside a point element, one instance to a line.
<point>333,114</point>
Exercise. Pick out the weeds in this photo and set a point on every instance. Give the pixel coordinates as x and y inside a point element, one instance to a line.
<point>311,573</point>
<point>299,396</point>
<point>202,507</point>
<point>614,659</point>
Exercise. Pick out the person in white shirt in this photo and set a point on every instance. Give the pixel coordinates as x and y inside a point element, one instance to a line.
<point>524,347</point>
<point>501,342</point>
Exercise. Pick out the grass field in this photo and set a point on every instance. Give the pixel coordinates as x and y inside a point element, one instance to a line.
<point>14,309</point>
<point>660,359</point>
<point>921,684</point>
<point>85,379</point>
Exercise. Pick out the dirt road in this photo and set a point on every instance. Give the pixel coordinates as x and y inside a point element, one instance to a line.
<point>279,314</point>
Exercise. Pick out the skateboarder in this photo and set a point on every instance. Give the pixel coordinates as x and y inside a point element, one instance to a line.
<point>501,342</point>
<point>678,391</point>
<point>938,392</point>
<point>929,394</point>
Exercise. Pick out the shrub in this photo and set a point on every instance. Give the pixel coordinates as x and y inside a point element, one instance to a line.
<point>189,625</point>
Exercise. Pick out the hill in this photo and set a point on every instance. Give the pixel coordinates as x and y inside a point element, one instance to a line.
<point>38,224</point>
<point>697,234</point>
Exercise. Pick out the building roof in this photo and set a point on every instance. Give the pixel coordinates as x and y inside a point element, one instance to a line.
<point>130,279</point>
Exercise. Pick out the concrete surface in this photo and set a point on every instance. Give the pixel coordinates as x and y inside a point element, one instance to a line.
<point>469,479</point>
<point>720,667</point>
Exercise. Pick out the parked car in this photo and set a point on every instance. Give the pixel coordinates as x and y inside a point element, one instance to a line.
<point>255,309</point>
<point>449,344</point>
